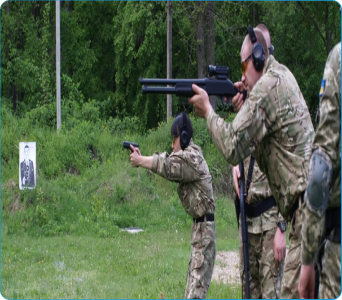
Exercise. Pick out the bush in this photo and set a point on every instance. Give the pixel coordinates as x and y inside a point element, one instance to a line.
<point>43,115</point>
<point>128,125</point>
<point>85,183</point>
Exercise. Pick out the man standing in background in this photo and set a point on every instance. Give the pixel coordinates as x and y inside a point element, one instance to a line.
<point>275,125</point>
<point>266,226</point>
<point>322,207</point>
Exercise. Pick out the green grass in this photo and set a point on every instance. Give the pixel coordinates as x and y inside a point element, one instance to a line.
<point>63,239</point>
<point>137,266</point>
<point>127,265</point>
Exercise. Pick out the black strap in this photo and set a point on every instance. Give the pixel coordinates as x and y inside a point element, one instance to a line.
<point>333,221</point>
<point>251,34</point>
<point>255,210</point>
<point>210,218</point>
<point>237,208</point>
<point>333,217</point>
<point>250,173</point>
<point>337,235</point>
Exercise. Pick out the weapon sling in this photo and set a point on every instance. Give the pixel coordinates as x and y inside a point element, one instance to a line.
<point>249,179</point>
<point>244,229</point>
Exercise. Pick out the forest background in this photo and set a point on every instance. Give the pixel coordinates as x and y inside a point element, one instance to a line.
<point>63,239</point>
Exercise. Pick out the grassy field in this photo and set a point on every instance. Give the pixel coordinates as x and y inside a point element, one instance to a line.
<point>136,266</point>
<point>64,239</point>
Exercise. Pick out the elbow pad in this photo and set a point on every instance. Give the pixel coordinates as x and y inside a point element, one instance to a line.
<point>319,180</point>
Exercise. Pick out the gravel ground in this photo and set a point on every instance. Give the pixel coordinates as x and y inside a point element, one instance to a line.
<point>226,267</point>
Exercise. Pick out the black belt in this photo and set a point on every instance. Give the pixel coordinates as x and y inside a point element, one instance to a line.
<point>333,221</point>
<point>255,210</point>
<point>296,204</point>
<point>210,218</point>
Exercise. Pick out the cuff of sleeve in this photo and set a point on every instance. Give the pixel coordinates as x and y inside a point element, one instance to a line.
<point>209,119</point>
<point>155,162</point>
<point>307,257</point>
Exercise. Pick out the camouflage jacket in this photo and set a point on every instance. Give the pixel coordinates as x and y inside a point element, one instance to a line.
<point>189,169</point>
<point>274,124</point>
<point>259,190</point>
<point>328,139</point>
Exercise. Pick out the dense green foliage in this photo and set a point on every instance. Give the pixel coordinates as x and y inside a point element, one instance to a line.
<point>63,239</point>
<point>85,183</point>
<point>106,46</point>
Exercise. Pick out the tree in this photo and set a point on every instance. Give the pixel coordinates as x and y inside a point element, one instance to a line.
<point>20,55</point>
<point>169,56</point>
<point>106,46</point>
<point>303,44</point>
<point>139,49</point>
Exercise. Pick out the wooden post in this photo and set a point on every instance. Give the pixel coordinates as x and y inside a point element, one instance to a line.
<point>169,57</point>
<point>58,64</point>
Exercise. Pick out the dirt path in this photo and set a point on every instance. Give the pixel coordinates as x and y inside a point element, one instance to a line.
<point>226,267</point>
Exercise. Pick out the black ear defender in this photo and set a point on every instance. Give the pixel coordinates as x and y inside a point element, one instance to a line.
<point>184,136</point>
<point>271,49</point>
<point>258,52</point>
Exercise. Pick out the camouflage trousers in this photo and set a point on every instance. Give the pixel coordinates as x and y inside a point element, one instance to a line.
<point>202,260</point>
<point>290,281</point>
<point>329,264</point>
<point>264,275</point>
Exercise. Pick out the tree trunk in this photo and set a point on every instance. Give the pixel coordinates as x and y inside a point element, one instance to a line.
<point>67,5</point>
<point>327,33</point>
<point>14,102</point>
<point>210,41</point>
<point>327,39</point>
<point>200,38</point>
<point>169,58</point>
<point>7,9</point>
<point>35,9</point>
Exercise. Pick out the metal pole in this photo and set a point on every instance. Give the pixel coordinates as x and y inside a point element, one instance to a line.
<point>169,57</point>
<point>58,64</point>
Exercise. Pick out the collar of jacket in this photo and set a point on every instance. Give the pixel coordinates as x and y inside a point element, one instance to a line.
<point>269,63</point>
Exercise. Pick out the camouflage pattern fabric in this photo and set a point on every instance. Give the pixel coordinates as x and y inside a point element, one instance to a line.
<point>264,276</point>
<point>274,124</point>
<point>328,140</point>
<point>328,135</point>
<point>202,260</point>
<point>330,270</point>
<point>189,169</point>
<point>290,281</point>
<point>258,191</point>
<point>259,188</point>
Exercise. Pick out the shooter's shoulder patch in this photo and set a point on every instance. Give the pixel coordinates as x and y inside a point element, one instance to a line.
<point>322,89</point>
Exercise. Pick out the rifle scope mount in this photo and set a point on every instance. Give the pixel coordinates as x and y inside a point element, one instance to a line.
<point>221,72</point>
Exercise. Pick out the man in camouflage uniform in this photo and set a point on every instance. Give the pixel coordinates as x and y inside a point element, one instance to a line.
<point>322,207</point>
<point>274,124</point>
<point>266,226</point>
<point>266,256</point>
<point>186,166</point>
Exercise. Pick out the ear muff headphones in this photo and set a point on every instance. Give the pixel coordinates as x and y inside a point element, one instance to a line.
<point>271,49</point>
<point>184,137</point>
<point>258,52</point>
